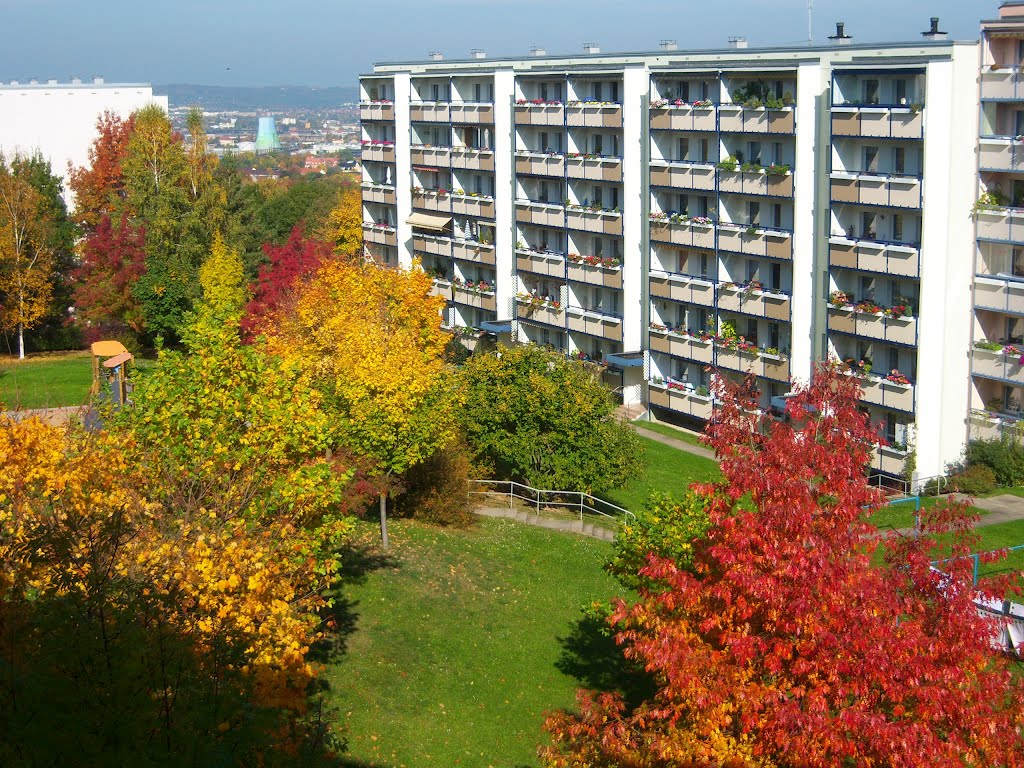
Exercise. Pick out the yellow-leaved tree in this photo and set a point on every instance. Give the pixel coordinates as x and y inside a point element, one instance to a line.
<point>222,277</point>
<point>344,225</point>
<point>369,339</point>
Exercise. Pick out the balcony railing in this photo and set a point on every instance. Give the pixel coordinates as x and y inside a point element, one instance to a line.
<point>683,401</point>
<point>435,245</point>
<point>542,214</point>
<point>430,112</point>
<point>877,122</point>
<point>682,346</point>
<point>684,118</point>
<point>532,312</point>
<point>873,256</point>
<point>998,364</point>
<point>887,394</point>
<point>902,330</point>
<point>999,294</point>
<point>774,367</point>
<point>472,297</point>
<point>471,113</point>
<point>1002,84</point>
<point>432,200</point>
<point>687,233</point>
<point>378,193</point>
<point>766,304</point>
<point>594,168</point>
<point>890,191</point>
<point>434,157</point>
<point>756,241</point>
<point>592,274</point>
<point>683,175</point>
<point>472,205</point>
<point>1000,154</point>
<point>594,323</point>
<point>540,114</point>
<point>683,288</point>
<point>378,152</point>
<point>441,287</point>
<point>474,251</point>
<point>380,234</point>
<point>377,110</point>
<point>540,263</point>
<point>1002,224</point>
<point>540,164</point>
<point>600,222</point>
<point>471,159</point>
<point>593,115</point>
<point>888,460</point>
<point>734,118</point>
<point>985,425</point>
<point>756,183</point>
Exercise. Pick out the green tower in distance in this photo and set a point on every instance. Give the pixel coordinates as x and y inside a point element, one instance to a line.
<point>266,136</point>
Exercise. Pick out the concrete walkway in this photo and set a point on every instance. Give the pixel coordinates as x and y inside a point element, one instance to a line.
<point>55,417</point>
<point>681,445</point>
<point>539,521</point>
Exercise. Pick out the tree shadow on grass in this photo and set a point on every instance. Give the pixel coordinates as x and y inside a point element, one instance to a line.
<point>591,656</point>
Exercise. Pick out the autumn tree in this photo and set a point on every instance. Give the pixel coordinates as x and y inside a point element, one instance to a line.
<point>112,261</point>
<point>780,642</point>
<point>99,188</point>
<point>534,416</point>
<point>369,339</point>
<point>26,254</point>
<point>344,225</point>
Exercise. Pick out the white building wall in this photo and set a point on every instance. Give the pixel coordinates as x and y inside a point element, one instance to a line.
<point>635,85</point>
<point>59,120</point>
<point>504,206</point>
<point>403,169</point>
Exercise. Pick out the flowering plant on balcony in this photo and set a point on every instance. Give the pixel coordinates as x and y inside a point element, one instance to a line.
<point>867,306</point>
<point>705,221</point>
<point>477,286</point>
<point>896,377</point>
<point>658,327</point>
<point>838,299</point>
<point>533,301</point>
<point>992,200</point>
<point>897,311</point>
<point>860,367</point>
<point>536,102</point>
<point>703,103</point>
<point>377,143</point>
<point>594,261</point>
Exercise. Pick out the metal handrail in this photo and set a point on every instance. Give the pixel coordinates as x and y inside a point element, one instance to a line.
<point>585,502</point>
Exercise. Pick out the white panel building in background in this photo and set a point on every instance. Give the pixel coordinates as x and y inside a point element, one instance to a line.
<point>59,119</point>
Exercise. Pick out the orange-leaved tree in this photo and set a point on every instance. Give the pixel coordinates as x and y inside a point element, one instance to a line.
<point>369,338</point>
<point>99,188</point>
<point>780,642</point>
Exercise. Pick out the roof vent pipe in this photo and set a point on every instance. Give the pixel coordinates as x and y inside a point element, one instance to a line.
<point>840,37</point>
<point>934,33</point>
<point>737,42</point>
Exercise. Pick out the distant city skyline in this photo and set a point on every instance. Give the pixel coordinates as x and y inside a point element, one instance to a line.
<point>251,42</point>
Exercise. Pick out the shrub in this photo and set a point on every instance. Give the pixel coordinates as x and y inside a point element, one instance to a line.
<point>974,481</point>
<point>1005,457</point>
<point>437,490</point>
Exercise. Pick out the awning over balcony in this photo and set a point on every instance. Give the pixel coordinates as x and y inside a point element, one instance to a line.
<point>435,222</point>
<point>625,359</point>
<point>496,326</point>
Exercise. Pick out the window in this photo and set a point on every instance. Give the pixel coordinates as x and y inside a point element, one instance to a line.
<point>897,227</point>
<point>683,151</point>
<point>777,156</point>
<point>776,282</point>
<point>477,95</point>
<point>615,91</point>
<point>702,205</point>
<point>597,92</point>
<point>752,270</point>
<point>543,144</point>
<point>373,93</point>
<point>899,91</point>
<point>1017,262</point>
<point>703,150</point>
<point>751,333</point>
<point>544,91</point>
<point>543,193</point>
<point>899,161</point>
<point>779,89</point>
<point>867,288</point>
<point>755,151</point>
<point>871,159</point>
<point>1018,122</point>
<point>703,265</point>
<point>598,246</point>
<point>478,184</point>
<point>598,196</point>
<point>615,198</point>
<point>684,204</point>
<point>684,91</point>
<point>773,335</point>
<point>753,213</point>
<point>871,91</point>
<point>894,359</point>
<point>435,91</point>
<point>777,215</point>
<point>868,225</point>
<point>597,142</point>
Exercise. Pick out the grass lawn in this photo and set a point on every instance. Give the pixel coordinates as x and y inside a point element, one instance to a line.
<point>46,380</point>
<point>901,515</point>
<point>668,431</point>
<point>668,470</point>
<point>458,645</point>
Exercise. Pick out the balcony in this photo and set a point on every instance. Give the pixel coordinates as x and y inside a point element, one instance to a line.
<point>684,401</point>
<point>887,394</point>
<point>472,205</point>
<point>595,323</point>
<point>442,288</point>
<point>598,221</point>
<point>999,294</point>
<point>699,176</point>
<point>435,245</point>
<point>381,234</point>
<point>755,361</point>
<point>539,312</point>
<point>541,214</point>
<point>432,200</point>
<point>756,183</point>
<point>430,112</point>
<point>1000,154</point>
<point>733,118</point>
<point>986,425</point>
<point>684,288</point>
<point>593,274</point>
<point>873,256</point>
<point>682,345</point>
<point>593,115</point>
<point>870,325</point>
<point>888,460</point>
<point>877,122</point>
<point>755,302</point>
<point>474,297</point>
<point>1002,364</point>
<point>470,159</point>
<point>684,117</point>
<point>755,241</point>
<point>378,151</point>
<point>540,263</point>
<point>472,113</point>
<point>540,164</point>
<point>474,251</point>
<point>377,111</point>
<point>867,189</point>
<point>1002,225</point>
<point>689,233</point>
<point>1003,84</point>
<point>542,113</point>
<point>594,168</point>
<point>433,157</point>
<point>378,193</point>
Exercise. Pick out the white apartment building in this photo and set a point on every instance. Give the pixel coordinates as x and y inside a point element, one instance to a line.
<point>58,120</point>
<point>676,214</point>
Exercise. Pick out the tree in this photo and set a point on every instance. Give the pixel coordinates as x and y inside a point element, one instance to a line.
<point>781,643</point>
<point>26,255</point>
<point>534,416</point>
<point>112,261</point>
<point>370,340</point>
<point>344,225</point>
<point>99,188</point>
<point>222,280</point>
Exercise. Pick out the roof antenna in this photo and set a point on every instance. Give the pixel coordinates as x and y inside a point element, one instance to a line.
<point>810,18</point>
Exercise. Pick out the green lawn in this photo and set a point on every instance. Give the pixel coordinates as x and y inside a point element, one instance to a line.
<point>46,381</point>
<point>457,647</point>
<point>669,431</point>
<point>668,470</point>
<point>901,515</point>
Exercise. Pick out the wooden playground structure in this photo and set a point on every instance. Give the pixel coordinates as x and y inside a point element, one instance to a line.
<point>110,362</point>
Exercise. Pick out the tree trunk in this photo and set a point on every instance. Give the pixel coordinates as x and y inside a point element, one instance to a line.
<point>384,520</point>
<point>21,341</point>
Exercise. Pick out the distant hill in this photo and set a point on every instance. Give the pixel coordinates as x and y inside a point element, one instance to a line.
<point>220,97</point>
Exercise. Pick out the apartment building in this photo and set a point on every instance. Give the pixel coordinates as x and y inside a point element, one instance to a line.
<point>676,214</point>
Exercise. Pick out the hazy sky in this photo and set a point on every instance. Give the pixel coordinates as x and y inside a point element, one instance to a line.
<point>328,42</point>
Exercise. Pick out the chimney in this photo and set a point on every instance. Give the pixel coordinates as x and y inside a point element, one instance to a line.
<point>52,81</point>
<point>737,42</point>
<point>668,45</point>
<point>934,33</point>
<point>478,53</point>
<point>591,48</point>
<point>436,56</point>
<point>97,81</point>
<point>840,37</point>
<point>76,81</point>
<point>538,51</point>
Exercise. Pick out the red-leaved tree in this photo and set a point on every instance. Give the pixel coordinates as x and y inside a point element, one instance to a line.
<point>112,260</point>
<point>99,187</point>
<point>288,264</point>
<point>785,644</point>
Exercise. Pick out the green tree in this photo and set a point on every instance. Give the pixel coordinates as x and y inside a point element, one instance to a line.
<point>534,416</point>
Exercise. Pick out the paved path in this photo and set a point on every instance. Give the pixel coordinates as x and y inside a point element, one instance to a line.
<point>55,417</point>
<point>682,445</point>
<point>571,526</point>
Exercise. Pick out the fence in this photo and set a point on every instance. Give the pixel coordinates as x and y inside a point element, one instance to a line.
<point>539,499</point>
<point>925,486</point>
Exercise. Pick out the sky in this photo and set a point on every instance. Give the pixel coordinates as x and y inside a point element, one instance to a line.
<point>330,42</point>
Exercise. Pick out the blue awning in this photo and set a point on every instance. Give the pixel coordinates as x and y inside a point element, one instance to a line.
<point>496,326</point>
<point>625,360</point>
